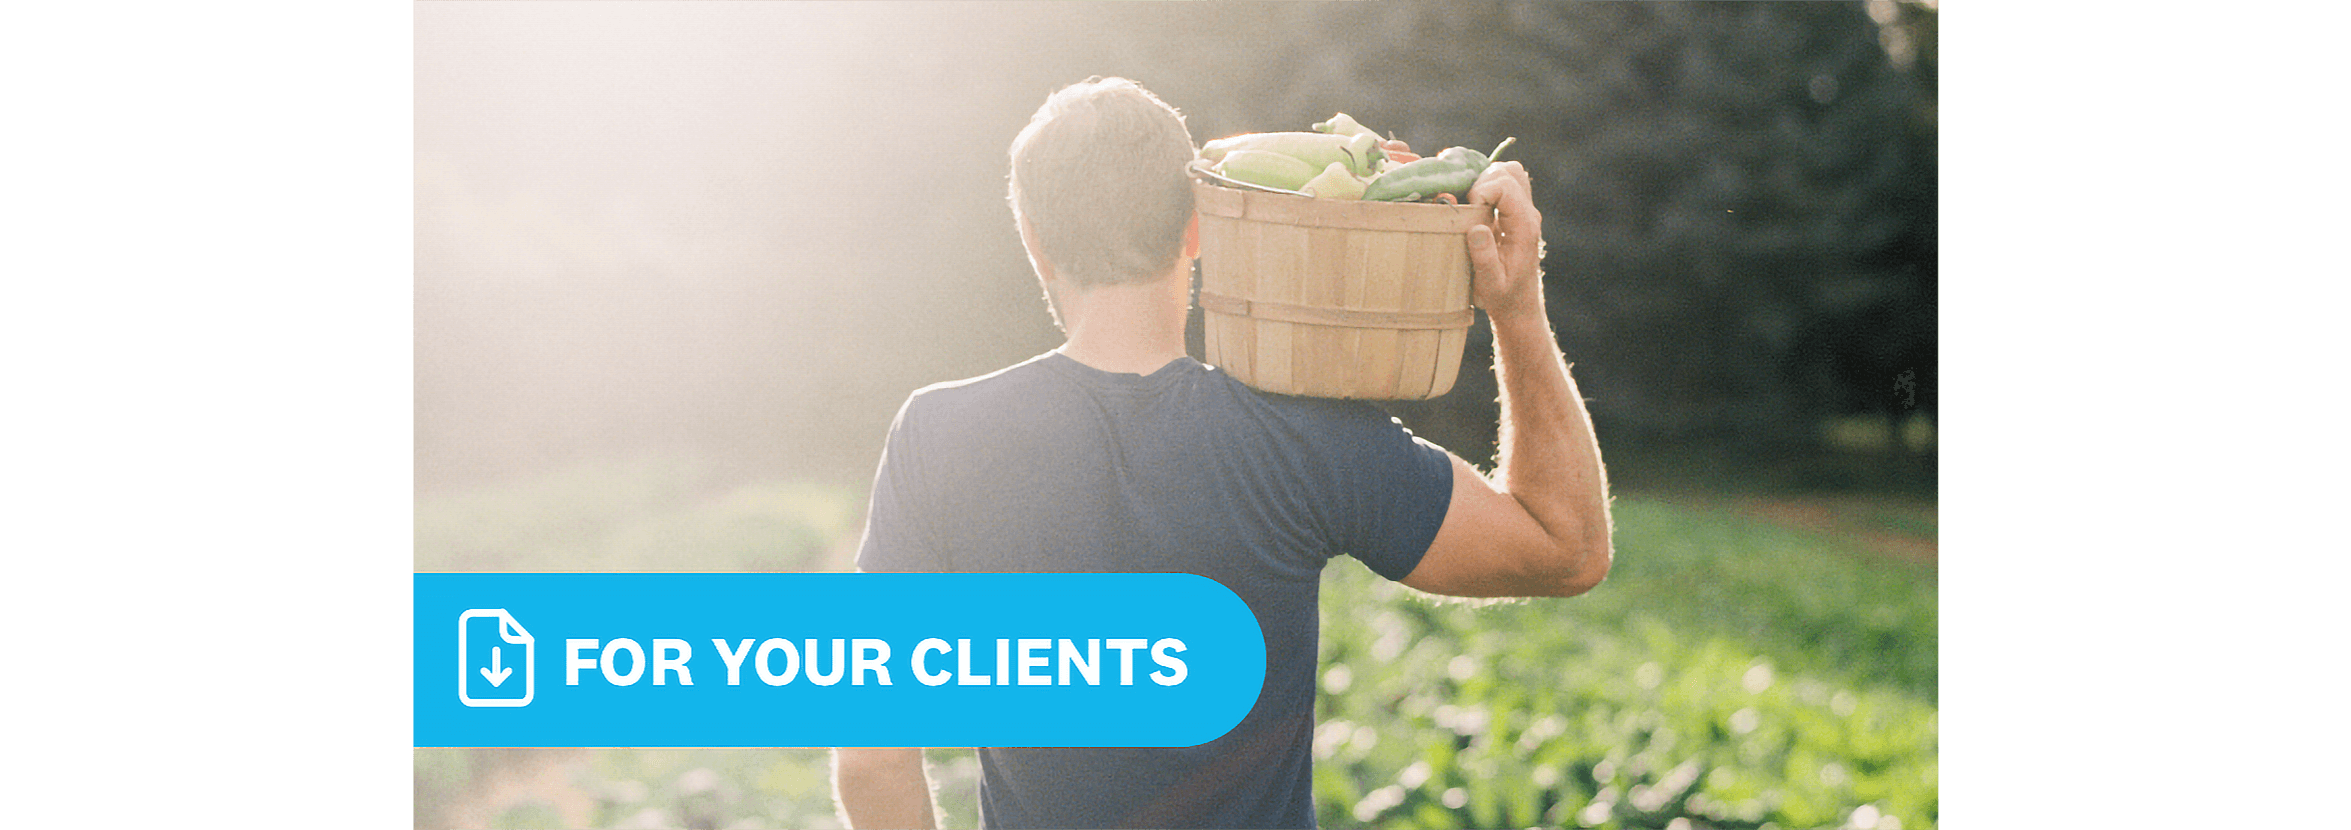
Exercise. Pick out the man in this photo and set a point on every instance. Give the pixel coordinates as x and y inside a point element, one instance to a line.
<point>1116,452</point>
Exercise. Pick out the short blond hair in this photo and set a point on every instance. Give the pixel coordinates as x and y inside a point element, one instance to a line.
<point>1098,175</point>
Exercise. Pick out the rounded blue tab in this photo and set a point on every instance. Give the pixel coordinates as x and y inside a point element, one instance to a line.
<point>1032,660</point>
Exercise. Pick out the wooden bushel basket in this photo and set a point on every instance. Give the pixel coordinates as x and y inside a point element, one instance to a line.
<point>1335,299</point>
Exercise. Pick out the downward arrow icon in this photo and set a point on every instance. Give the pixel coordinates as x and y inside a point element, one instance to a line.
<point>485,628</point>
<point>496,674</point>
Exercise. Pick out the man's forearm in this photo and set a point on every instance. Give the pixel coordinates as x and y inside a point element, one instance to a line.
<point>883,788</point>
<point>1550,461</point>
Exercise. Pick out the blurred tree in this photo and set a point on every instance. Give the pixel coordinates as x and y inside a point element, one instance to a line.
<point>1740,197</point>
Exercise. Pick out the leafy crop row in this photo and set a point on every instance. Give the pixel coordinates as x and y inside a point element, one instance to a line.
<point>1730,673</point>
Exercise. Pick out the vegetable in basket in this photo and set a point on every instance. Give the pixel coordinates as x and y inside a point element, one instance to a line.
<point>1451,171</point>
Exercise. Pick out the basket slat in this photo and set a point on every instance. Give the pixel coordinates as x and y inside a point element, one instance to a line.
<point>1383,291</point>
<point>1419,348</point>
<point>1452,342</point>
<point>1281,251</point>
<point>1323,285</point>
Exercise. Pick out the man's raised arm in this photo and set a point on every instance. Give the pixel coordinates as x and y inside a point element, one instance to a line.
<point>1541,526</point>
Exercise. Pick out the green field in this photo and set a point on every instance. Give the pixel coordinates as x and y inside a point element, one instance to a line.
<point>1733,672</point>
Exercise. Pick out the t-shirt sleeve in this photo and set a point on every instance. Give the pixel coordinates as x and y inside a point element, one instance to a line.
<point>1394,488</point>
<point>897,534</point>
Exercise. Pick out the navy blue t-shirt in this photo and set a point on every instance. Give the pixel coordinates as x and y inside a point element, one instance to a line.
<point>1054,466</point>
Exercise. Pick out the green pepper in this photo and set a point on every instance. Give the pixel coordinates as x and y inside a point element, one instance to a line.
<point>1451,171</point>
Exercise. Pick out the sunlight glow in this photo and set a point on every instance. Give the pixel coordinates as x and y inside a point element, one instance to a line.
<point>1650,675</point>
<point>1843,703</point>
<point>1462,668</point>
<point>1378,801</point>
<point>1413,776</point>
<point>1339,679</point>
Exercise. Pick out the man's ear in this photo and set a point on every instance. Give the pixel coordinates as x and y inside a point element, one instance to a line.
<point>1192,237</point>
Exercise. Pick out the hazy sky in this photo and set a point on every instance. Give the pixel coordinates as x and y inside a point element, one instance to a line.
<point>712,228</point>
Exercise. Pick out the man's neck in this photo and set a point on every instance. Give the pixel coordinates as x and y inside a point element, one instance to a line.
<point>1133,328</point>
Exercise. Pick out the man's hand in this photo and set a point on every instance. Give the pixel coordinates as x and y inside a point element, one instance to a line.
<point>1509,281</point>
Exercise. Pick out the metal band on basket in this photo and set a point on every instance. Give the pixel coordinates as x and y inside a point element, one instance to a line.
<point>1345,317</point>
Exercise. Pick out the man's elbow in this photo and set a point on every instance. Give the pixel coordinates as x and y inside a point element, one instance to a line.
<point>1584,581</point>
<point>1586,565</point>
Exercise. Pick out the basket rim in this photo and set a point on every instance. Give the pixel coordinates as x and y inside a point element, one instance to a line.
<point>1335,316</point>
<point>1280,207</point>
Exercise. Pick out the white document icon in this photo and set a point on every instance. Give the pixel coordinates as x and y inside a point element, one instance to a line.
<point>495,659</point>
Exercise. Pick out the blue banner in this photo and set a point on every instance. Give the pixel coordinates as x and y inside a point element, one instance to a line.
<point>831,660</point>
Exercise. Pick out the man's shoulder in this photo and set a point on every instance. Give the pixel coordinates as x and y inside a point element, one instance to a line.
<point>1009,383</point>
<point>1045,382</point>
<point>1015,373</point>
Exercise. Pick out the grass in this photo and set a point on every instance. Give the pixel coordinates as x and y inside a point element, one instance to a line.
<point>1732,672</point>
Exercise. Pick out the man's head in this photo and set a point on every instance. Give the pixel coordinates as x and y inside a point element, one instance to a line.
<point>1098,183</point>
